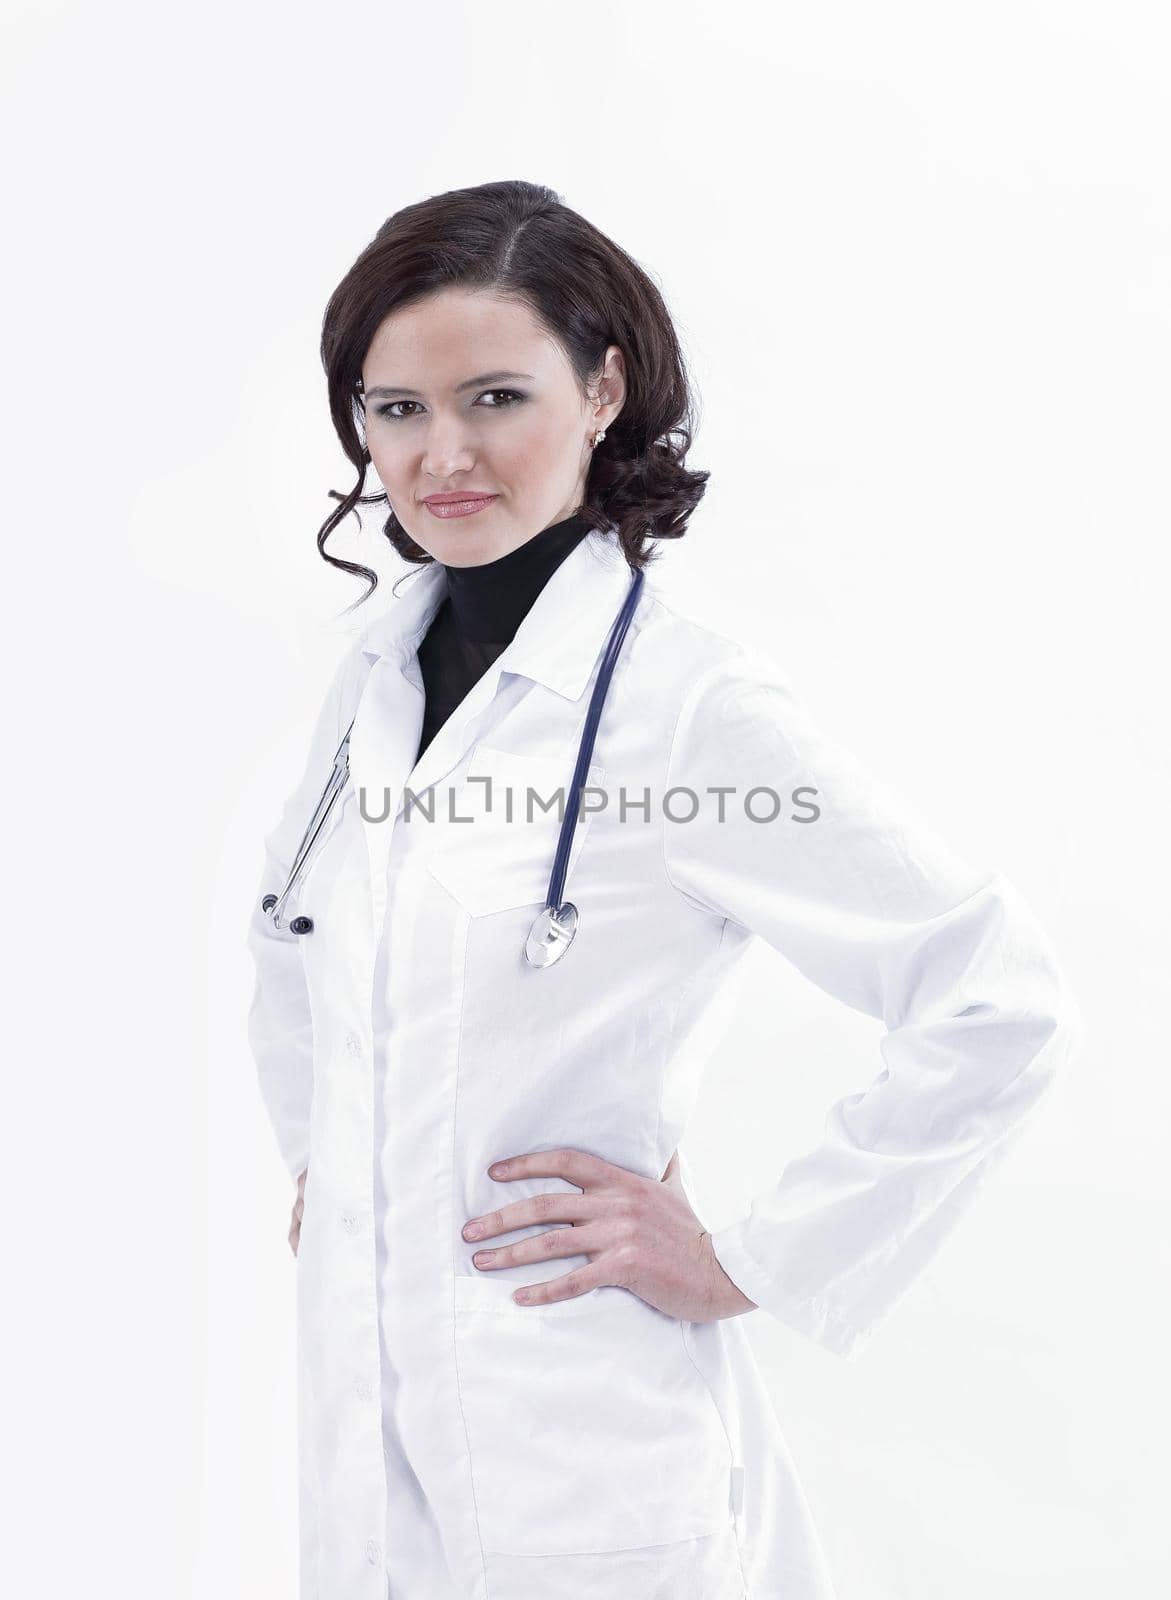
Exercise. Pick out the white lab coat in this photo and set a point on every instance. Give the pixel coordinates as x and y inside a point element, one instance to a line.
<point>451,1441</point>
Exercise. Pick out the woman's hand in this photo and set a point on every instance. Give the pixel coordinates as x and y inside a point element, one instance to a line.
<point>298,1213</point>
<point>641,1235</point>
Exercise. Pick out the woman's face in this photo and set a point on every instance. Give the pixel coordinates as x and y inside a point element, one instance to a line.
<point>465,393</point>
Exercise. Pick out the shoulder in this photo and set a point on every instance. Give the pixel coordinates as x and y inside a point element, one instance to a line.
<point>699,672</point>
<point>343,688</point>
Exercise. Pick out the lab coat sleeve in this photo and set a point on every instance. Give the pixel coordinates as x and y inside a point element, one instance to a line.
<point>280,1026</point>
<point>882,914</point>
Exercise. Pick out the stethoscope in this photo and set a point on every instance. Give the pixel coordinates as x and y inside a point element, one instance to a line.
<point>554,929</point>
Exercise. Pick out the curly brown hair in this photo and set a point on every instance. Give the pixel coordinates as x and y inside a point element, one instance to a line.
<point>519,240</point>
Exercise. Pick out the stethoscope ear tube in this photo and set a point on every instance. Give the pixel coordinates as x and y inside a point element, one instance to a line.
<point>274,904</point>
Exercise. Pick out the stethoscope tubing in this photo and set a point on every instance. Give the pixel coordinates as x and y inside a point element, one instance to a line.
<point>273,905</point>
<point>589,734</point>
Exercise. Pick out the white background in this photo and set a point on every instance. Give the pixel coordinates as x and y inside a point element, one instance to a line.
<point>918,256</point>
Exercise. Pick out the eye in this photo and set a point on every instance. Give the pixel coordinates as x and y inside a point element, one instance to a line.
<point>513,397</point>
<point>389,412</point>
<point>512,393</point>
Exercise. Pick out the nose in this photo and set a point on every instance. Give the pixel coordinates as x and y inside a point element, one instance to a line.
<point>446,452</point>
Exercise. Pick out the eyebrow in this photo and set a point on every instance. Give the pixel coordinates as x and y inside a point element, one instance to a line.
<point>383,391</point>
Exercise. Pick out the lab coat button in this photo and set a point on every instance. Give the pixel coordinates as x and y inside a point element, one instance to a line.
<point>365,1390</point>
<point>373,1552</point>
<point>350,1222</point>
<point>353,1044</point>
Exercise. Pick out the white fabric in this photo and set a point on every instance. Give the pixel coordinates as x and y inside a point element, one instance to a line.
<point>452,1442</point>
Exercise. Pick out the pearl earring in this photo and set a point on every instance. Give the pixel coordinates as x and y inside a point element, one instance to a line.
<point>598,437</point>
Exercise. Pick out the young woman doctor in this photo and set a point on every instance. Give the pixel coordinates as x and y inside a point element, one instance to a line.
<point>523,1373</point>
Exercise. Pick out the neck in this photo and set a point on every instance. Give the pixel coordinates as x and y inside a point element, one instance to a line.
<point>490,601</point>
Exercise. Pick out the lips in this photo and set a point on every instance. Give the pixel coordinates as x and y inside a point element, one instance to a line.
<point>457,505</point>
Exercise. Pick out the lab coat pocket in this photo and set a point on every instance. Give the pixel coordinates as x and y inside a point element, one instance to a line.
<point>589,1427</point>
<point>500,852</point>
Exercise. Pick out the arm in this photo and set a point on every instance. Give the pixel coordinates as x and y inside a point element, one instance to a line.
<point>280,1027</point>
<point>886,918</point>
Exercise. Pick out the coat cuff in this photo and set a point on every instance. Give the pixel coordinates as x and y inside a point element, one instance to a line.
<point>295,1154</point>
<point>812,1318</point>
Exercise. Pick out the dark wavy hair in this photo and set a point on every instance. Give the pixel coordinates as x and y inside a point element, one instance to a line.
<point>518,240</point>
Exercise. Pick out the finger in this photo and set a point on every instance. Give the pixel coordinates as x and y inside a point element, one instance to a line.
<point>550,1246</point>
<point>575,1166</point>
<point>570,1287</point>
<point>558,1206</point>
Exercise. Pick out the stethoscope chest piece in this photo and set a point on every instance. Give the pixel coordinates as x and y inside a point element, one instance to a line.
<point>551,935</point>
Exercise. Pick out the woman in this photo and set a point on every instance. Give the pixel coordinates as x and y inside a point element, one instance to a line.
<point>608,1434</point>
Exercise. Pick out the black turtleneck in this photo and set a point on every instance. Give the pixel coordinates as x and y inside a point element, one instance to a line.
<point>480,614</point>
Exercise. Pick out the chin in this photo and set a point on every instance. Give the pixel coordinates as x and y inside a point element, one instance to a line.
<point>471,552</point>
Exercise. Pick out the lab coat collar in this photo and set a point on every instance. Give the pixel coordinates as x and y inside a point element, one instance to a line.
<point>560,637</point>
<point>558,645</point>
